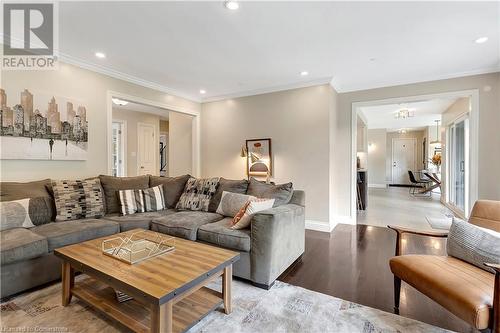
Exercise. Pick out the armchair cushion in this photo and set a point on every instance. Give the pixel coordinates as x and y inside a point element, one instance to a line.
<point>463,289</point>
<point>474,244</point>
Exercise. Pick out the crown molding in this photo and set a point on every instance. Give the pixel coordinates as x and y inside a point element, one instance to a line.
<point>353,88</point>
<point>267,90</point>
<point>65,58</point>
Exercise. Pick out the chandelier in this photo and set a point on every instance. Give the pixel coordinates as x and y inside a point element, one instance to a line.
<point>403,114</point>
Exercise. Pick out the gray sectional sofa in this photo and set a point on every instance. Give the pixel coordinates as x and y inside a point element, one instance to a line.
<point>273,242</point>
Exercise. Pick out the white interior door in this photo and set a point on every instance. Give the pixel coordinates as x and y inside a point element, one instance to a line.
<point>147,149</point>
<point>403,159</point>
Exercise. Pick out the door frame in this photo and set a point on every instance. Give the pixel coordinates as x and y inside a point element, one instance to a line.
<point>473,94</point>
<point>124,143</point>
<point>447,155</point>
<point>156,168</point>
<point>414,142</point>
<point>195,125</point>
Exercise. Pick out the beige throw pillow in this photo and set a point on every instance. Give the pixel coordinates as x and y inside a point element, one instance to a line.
<point>252,207</point>
<point>231,203</point>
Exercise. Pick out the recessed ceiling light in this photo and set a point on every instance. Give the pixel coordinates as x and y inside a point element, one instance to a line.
<point>100,55</point>
<point>119,102</point>
<point>481,40</point>
<point>232,5</point>
<point>202,91</point>
<point>304,73</point>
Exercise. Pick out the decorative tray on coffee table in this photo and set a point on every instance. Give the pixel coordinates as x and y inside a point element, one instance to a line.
<point>138,247</point>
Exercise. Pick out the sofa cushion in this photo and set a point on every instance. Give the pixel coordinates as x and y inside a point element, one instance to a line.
<point>78,199</point>
<point>45,210</point>
<point>15,214</point>
<point>281,193</point>
<point>183,224</point>
<point>21,244</point>
<point>138,220</point>
<point>220,233</point>
<point>112,184</point>
<point>64,233</point>
<point>228,185</point>
<point>172,187</point>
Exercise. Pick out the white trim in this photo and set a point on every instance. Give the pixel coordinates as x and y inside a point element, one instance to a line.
<point>268,90</point>
<point>344,220</point>
<point>474,135</point>
<point>384,84</point>
<point>414,140</point>
<point>109,131</point>
<point>66,58</point>
<point>377,185</point>
<point>318,226</point>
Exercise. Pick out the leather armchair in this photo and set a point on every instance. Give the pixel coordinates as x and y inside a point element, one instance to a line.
<point>467,291</point>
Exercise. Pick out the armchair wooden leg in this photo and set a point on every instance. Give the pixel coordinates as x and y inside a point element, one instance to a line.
<point>397,293</point>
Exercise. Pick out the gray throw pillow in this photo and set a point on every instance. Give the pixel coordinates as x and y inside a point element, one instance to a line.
<point>231,203</point>
<point>228,185</point>
<point>172,187</point>
<point>473,244</point>
<point>197,194</point>
<point>42,207</point>
<point>78,199</point>
<point>281,193</point>
<point>111,185</point>
<point>15,214</point>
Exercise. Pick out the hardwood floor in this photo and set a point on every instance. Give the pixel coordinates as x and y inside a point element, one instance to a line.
<point>352,263</point>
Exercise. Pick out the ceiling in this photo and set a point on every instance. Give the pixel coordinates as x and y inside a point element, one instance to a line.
<point>426,112</point>
<point>182,47</point>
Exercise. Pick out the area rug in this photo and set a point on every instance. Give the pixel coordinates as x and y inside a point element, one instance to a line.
<point>443,223</point>
<point>283,308</point>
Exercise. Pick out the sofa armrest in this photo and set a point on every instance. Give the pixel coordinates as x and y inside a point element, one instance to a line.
<point>278,239</point>
<point>496,297</point>
<point>401,230</point>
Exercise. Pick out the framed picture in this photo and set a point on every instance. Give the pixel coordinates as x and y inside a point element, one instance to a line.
<point>40,126</point>
<point>259,157</point>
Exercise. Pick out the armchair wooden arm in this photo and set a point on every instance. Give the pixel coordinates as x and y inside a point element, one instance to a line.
<point>401,230</point>
<point>496,298</point>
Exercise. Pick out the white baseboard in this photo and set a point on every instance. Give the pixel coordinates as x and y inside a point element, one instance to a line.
<point>318,226</point>
<point>378,185</point>
<point>344,220</point>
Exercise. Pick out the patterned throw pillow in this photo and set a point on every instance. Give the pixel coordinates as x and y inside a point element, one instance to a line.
<point>78,199</point>
<point>15,214</point>
<point>154,199</point>
<point>231,203</point>
<point>197,194</point>
<point>131,201</point>
<point>252,207</point>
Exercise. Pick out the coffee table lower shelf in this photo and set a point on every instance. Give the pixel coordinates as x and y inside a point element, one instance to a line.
<point>186,313</point>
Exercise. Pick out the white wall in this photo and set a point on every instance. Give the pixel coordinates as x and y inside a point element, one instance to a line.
<point>489,135</point>
<point>377,157</point>
<point>296,120</point>
<point>90,88</point>
<point>180,138</point>
<point>132,118</point>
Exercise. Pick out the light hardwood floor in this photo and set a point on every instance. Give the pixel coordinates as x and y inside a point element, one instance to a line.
<point>394,205</point>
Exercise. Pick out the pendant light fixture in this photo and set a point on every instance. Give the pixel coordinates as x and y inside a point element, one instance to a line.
<point>437,141</point>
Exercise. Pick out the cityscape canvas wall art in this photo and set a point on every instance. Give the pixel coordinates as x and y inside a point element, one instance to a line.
<point>41,126</point>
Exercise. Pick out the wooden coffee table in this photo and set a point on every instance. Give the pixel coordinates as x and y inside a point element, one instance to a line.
<point>169,290</point>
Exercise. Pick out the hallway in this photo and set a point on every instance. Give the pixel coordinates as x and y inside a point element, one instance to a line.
<point>394,205</point>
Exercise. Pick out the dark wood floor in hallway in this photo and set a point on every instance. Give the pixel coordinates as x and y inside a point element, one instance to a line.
<point>352,263</point>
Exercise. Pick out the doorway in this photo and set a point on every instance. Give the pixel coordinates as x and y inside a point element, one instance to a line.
<point>458,165</point>
<point>403,159</point>
<point>119,148</point>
